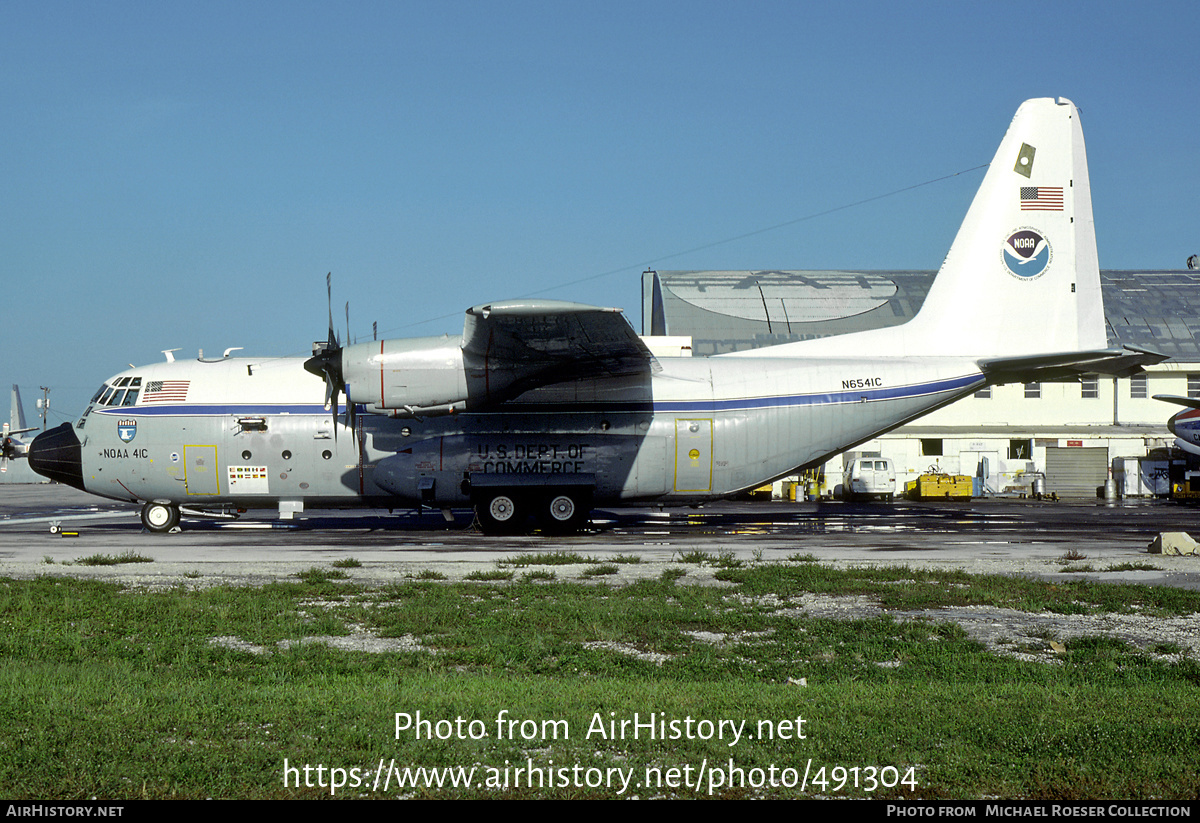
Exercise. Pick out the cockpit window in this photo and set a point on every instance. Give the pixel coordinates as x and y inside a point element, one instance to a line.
<point>117,394</point>
<point>123,391</point>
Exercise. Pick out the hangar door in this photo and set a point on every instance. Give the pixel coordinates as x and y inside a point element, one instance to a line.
<point>1076,472</point>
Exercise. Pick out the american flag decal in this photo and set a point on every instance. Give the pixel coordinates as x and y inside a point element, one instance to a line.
<point>1041,198</point>
<point>166,391</point>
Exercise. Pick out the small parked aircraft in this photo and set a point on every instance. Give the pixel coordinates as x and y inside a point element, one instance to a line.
<point>1185,425</point>
<point>546,409</point>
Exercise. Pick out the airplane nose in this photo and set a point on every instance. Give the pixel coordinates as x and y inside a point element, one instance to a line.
<point>56,453</point>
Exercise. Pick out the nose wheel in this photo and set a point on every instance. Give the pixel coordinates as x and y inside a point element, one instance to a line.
<point>160,517</point>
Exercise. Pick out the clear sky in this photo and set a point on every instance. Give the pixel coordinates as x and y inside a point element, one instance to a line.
<point>183,175</point>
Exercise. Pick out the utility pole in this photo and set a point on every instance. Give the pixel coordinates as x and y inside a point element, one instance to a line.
<point>44,404</point>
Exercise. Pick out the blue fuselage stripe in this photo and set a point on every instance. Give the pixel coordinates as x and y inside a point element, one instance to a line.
<point>821,399</point>
<point>664,406</point>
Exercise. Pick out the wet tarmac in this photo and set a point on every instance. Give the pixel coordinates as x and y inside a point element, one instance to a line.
<point>1055,540</point>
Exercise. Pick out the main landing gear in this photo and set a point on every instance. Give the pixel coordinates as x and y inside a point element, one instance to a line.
<point>557,511</point>
<point>160,517</point>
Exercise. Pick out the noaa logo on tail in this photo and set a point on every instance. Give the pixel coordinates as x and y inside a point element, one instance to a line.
<point>1026,254</point>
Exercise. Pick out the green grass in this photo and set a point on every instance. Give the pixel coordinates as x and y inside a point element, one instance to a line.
<point>548,559</point>
<point>494,574</point>
<point>318,575</point>
<point>112,560</point>
<point>121,693</point>
<point>600,570</point>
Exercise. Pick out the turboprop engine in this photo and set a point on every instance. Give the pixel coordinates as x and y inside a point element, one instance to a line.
<point>416,377</point>
<point>505,349</point>
<point>407,377</point>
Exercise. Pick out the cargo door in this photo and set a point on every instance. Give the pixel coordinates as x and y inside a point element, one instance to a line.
<point>200,470</point>
<point>693,455</point>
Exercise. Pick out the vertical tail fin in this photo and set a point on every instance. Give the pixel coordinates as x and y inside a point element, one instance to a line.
<point>16,413</point>
<point>1022,277</point>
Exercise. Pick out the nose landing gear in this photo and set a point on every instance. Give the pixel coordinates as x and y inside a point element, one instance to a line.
<point>160,517</point>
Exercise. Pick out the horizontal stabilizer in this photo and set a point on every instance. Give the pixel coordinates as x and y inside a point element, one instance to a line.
<point>1121,362</point>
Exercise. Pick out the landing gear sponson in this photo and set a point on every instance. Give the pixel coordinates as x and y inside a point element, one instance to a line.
<point>559,503</point>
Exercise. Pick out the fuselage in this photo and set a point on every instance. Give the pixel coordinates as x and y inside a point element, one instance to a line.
<point>257,433</point>
<point>1186,427</point>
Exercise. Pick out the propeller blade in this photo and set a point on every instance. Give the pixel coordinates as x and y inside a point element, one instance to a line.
<point>327,362</point>
<point>333,339</point>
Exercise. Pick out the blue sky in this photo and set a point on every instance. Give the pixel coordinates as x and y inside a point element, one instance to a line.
<point>183,175</point>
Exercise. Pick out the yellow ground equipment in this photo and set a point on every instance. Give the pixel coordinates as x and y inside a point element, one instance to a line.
<point>937,486</point>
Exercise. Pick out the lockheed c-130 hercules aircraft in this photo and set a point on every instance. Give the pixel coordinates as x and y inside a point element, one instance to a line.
<point>546,409</point>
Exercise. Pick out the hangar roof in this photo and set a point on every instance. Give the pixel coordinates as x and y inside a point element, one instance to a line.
<point>730,310</point>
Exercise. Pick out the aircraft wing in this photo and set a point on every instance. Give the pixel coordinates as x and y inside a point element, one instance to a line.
<point>1190,402</point>
<point>1121,362</point>
<point>544,341</point>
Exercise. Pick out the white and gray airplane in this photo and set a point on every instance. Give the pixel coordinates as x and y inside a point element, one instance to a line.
<point>1185,425</point>
<point>545,409</point>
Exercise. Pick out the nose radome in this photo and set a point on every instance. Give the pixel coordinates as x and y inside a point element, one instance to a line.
<point>56,454</point>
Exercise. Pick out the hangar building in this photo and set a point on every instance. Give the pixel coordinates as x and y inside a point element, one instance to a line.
<point>1074,434</point>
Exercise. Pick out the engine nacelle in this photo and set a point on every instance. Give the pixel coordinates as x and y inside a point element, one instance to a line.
<point>416,375</point>
<point>421,376</point>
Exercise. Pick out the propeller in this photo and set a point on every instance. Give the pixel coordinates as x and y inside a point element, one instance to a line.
<point>327,360</point>
<point>10,447</point>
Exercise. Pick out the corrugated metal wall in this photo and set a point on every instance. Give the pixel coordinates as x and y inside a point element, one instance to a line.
<point>1076,472</point>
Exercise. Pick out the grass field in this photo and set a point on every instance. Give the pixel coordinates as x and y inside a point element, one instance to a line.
<point>533,682</point>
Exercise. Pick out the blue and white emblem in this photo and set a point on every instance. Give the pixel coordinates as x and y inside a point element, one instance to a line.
<point>126,430</point>
<point>1026,254</point>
